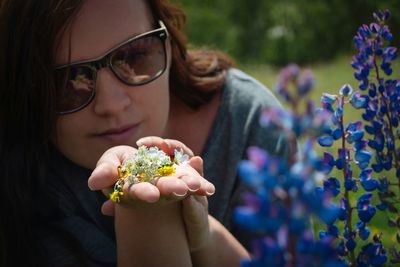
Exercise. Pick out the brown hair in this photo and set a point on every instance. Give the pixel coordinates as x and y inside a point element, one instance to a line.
<point>28,31</point>
<point>195,75</point>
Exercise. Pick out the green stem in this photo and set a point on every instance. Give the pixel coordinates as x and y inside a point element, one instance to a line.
<point>387,115</point>
<point>349,211</point>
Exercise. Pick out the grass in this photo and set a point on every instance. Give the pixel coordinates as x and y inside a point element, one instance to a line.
<point>329,78</point>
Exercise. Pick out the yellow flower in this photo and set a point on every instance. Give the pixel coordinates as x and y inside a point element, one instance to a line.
<point>116,196</point>
<point>166,171</point>
<point>123,172</point>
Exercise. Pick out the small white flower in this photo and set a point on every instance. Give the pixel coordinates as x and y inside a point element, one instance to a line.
<point>180,157</point>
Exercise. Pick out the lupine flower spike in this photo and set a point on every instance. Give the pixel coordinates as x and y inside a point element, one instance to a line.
<point>283,191</point>
<point>380,102</point>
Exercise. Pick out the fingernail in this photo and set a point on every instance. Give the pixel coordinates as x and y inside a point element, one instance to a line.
<point>210,190</point>
<point>209,194</point>
<point>91,189</point>
<point>179,195</point>
<point>193,190</point>
<point>90,186</point>
<point>139,142</point>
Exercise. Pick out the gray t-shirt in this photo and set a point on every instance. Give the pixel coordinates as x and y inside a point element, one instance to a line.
<point>69,225</point>
<point>235,129</point>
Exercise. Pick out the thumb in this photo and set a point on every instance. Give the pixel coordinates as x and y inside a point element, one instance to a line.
<point>108,208</point>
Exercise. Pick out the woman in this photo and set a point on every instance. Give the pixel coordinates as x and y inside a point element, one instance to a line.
<point>79,77</point>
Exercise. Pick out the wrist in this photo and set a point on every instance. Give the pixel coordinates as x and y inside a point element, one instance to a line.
<point>205,242</point>
<point>222,248</point>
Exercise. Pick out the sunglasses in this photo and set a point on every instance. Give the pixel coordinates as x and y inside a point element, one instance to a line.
<point>137,61</point>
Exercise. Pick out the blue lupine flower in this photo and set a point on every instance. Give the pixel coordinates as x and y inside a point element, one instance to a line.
<point>341,249</point>
<point>332,185</point>
<point>355,136</point>
<point>365,210</point>
<point>360,145</point>
<point>351,244</point>
<point>328,163</point>
<point>367,182</point>
<point>346,90</point>
<point>305,82</point>
<point>325,141</point>
<point>266,252</point>
<point>358,100</point>
<point>372,254</point>
<point>378,143</point>
<point>337,133</point>
<point>363,230</point>
<point>363,155</point>
<point>277,117</point>
<point>328,98</point>
<point>350,184</point>
<point>343,156</point>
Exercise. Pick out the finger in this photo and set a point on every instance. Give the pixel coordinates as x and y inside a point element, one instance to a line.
<point>106,172</point>
<point>190,203</point>
<point>206,188</point>
<point>189,176</point>
<point>108,208</point>
<point>197,163</point>
<point>150,141</point>
<point>166,145</point>
<point>142,191</point>
<point>175,144</point>
<point>171,185</point>
<point>117,155</point>
<point>192,178</point>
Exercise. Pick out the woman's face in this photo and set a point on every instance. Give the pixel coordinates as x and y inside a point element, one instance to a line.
<point>119,114</point>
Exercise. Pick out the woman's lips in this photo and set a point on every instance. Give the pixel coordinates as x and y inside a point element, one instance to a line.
<point>121,135</point>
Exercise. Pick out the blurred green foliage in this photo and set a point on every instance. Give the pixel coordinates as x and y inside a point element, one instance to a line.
<point>281,31</point>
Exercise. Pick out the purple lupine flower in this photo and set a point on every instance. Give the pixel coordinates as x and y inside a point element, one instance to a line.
<point>305,82</point>
<point>332,185</point>
<point>283,191</point>
<point>346,90</point>
<point>369,184</point>
<point>372,254</point>
<point>363,230</point>
<point>365,210</point>
<point>358,100</point>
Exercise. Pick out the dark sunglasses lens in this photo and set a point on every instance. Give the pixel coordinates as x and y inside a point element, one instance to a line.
<point>139,61</point>
<point>75,88</point>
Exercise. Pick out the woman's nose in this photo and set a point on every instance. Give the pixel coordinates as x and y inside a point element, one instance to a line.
<point>111,95</point>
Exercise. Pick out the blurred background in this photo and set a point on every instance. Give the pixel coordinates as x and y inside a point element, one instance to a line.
<point>282,31</point>
<point>265,35</point>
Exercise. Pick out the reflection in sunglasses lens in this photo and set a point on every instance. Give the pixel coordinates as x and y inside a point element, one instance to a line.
<point>139,61</point>
<point>78,88</point>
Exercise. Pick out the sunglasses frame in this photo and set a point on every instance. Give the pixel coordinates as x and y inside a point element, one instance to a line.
<point>104,61</point>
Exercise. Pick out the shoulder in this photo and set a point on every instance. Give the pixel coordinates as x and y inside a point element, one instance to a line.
<point>246,97</point>
<point>246,91</point>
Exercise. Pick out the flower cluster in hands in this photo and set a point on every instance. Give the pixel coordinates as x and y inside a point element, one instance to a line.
<point>147,165</point>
